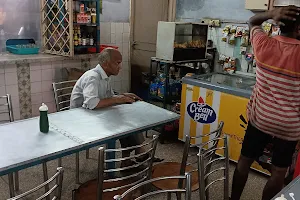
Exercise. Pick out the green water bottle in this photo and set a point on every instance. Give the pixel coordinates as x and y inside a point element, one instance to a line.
<point>44,123</point>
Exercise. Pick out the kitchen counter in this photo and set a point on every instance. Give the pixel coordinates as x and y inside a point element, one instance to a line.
<point>8,58</point>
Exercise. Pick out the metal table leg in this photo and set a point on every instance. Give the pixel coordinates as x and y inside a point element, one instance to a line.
<point>77,168</point>
<point>45,173</point>
<point>11,185</point>
<point>111,155</point>
<point>59,162</point>
<point>87,154</point>
<point>17,188</point>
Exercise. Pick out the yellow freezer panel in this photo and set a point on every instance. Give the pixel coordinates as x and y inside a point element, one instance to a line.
<point>182,112</point>
<point>203,109</point>
<point>193,124</point>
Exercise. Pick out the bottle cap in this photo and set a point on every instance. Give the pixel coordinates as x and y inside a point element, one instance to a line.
<point>44,107</point>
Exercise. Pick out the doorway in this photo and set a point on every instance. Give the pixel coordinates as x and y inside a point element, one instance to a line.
<point>145,15</point>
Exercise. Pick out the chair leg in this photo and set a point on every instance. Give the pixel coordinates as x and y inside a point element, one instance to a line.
<point>87,154</point>
<point>77,169</point>
<point>45,174</point>
<point>178,195</point>
<point>11,185</point>
<point>59,162</point>
<point>17,188</point>
<point>169,197</point>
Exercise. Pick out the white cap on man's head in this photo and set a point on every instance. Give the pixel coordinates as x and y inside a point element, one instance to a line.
<point>286,3</point>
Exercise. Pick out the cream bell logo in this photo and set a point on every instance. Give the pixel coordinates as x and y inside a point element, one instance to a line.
<point>201,112</point>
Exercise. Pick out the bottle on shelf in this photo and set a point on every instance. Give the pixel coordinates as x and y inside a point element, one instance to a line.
<point>88,40</point>
<point>83,41</point>
<point>91,40</point>
<point>75,40</point>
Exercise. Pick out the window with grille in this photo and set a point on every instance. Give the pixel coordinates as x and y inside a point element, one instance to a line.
<point>57,31</point>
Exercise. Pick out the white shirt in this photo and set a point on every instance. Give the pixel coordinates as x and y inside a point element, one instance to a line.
<point>90,88</point>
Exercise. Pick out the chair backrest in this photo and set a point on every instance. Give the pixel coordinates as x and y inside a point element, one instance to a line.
<point>187,190</point>
<point>62,94</point>
<point>55,191</point>
<point>205,163</point>
<point>6,109</point>
<point>142,171</point>
<point>189,159</point>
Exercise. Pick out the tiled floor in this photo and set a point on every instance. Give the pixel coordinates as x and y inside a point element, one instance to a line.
<point>170,152</point>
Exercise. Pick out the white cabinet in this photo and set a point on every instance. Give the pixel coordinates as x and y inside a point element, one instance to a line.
<point>257,4</point>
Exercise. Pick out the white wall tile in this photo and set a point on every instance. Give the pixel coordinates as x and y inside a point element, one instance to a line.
<point>36,66</point>
<point>112,27</point>
<point>119,28</point>
<point>10,68</point>
<point>48,97</point>
<point>1,69</point>
<point>120,45</point>
<point>12,90</point>
<point>119,38</point>
<point>125,37</point>
<point>112,38</point>
<point>36,76</point>
<point>57,64</point>
<point>15,101</point>
<point>47,75</point>
<point>46,86</point>
<point>125,65</point>
<point>16,112</point>
<point>2,91</point>
<point>46,65</point>
<point>35,110</point>
<point>37,98</point>
<point>125,86</point>
<point>2,80</point>
<point>126,28</point>
<point>118,86</point>
<point>51,107</point>
<point>11,78</point>
<point>36,87</point>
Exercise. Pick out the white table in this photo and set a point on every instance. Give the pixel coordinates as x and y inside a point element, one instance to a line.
<point>22,145</point>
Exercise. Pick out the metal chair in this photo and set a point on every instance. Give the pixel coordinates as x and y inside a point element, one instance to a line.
<point>187,190</point>
<point>190,160</point>
<point>62,96</point>
<point>6,109</point>
<point>106,186</point>
<point>55,190</point>
<point>207,158</point>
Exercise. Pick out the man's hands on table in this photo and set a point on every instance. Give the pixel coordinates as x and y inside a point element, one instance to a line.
<point>133,96</point>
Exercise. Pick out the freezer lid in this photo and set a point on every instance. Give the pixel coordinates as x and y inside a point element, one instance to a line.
<point>233,84</point>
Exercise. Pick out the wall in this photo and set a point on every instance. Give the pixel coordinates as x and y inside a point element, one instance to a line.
<point>17,14</point>
<point>115,11</point>
<point>219,9</point>
<point>232,11</point>
<point>30,84</point>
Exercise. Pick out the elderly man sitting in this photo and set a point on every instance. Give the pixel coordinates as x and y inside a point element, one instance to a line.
<point>93,90</point>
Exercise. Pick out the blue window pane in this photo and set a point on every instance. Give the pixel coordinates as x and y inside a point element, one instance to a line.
<point>19,19</point>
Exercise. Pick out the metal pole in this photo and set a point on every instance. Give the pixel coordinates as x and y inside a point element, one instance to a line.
<point>11,185</point>
<point>45,173</point>
<point>201,175</point>
<point>17,188</point>
<point>77,168</point>
<point>59,162</point>
<point>100,173</point>
<point>87,154</point>
<point>226,171</point>
<point>188,185</point>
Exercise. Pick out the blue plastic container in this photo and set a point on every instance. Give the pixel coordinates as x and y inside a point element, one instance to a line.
<point>12,45</point>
